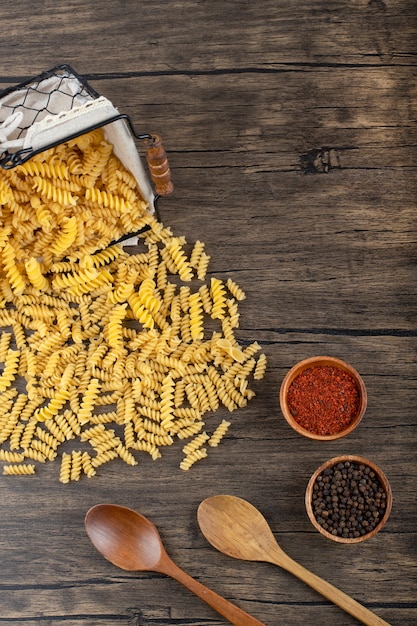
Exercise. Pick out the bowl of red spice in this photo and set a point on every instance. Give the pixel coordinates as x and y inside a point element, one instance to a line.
<point>323,398</point>
<point>348,499</point>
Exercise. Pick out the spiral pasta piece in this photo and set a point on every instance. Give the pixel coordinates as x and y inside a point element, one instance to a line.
<point>167,402</point>
<point>104,457</point>
<point>179,259</point>
<point>233,313</point>
<point>236,291</point>
<point>5,231</point>
<point>121,293</point>
<point>218,295</point>
<point>20,469</point>
<point>192,458</point>
<point>125,455</point>
<point>47,451</point>
<point>88,402</point>
<point>11,457</point>
<point>198,250</point>
<point>6,193</point>
<point>43,215</point>
<point>260,367</point>
<point>53,407</point>
<point>186,431</point>
<point>11,366</point>
<point>51,192</point>
<point>51,169</point>
<point>35,275</point>
<point>14,276</point>
<point>66,237</point>
<point>146,295</point>
<point>195,443</point>
<point>106,199</point>
<point>219,433</point>
<point>114,326</point>
<point>87,465</point>
<point>65,470</point>
<point>150,448</point>
<point>140,312</point>
<point>196,317</point>
<point>72,279</point>
<point>203,266</point>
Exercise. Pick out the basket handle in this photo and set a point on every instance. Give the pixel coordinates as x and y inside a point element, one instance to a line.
<point>157,161</point>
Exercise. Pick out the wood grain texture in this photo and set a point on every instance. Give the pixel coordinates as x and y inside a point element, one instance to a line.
<point>291,132</point>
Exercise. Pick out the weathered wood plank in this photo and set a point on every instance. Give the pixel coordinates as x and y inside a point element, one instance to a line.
<point>290,130</point>
<point>113,37</point>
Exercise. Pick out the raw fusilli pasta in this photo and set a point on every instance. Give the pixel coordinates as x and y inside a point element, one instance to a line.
<point>20,469</point>
<point>235,290</point>
<point>219,433</point>
<point>113,348</point>
<point>218,295</point>
<point>260,367</point>
<point>193,457</point>
<point>11,365</point>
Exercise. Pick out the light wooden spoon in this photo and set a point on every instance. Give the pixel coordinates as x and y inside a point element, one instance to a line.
<point>238,529</point>
<point>130,541</point>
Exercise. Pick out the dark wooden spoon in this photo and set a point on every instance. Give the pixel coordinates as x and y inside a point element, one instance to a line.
<point>238,529</point>
<point>130,541</point>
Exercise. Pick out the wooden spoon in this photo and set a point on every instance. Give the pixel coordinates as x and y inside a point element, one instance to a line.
<point>130,541</point>
<point>238,529</point>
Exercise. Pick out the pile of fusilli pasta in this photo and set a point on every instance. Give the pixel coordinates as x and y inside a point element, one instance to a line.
<point>121,353</point>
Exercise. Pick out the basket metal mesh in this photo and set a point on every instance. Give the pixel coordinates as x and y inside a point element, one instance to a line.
<point>51,94</point>
<point>42,96</point>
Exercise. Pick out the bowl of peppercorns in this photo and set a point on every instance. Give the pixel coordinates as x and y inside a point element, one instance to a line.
<point>348,499</point>
<point>323,398</point>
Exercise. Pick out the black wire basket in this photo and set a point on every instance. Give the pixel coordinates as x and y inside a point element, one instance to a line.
<point>59,105</point>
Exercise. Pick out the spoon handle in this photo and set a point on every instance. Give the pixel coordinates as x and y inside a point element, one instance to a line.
<point>330,592</point>
<point>230,611</point>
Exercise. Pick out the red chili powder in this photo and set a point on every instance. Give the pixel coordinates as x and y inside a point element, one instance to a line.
<point>323,399</point>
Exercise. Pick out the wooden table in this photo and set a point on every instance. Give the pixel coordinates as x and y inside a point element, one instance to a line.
<point>290,129</point>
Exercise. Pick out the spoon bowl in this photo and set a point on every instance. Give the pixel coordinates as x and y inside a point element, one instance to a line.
<point>116,530</point>
<point>132,542</point>
<point>236,528</point>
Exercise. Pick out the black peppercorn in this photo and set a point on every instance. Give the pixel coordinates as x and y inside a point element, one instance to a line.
<point>348,500</point>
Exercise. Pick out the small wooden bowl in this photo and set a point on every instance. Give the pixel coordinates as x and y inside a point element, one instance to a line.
<point>358,460</point>
<point>322,361</point>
